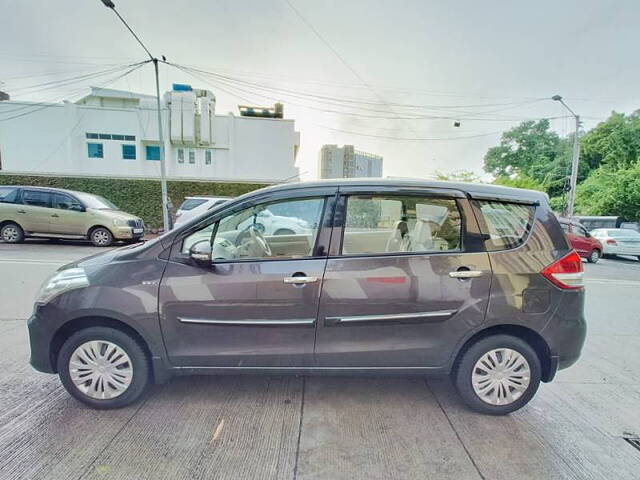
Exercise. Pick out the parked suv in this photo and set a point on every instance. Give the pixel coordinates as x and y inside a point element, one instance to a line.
<point>56,213</point>
<point>583,242</point>
<point>403,277</point>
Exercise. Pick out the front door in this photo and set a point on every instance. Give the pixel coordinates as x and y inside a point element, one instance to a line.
<point>403,283</point>
<point>255,304</point>
<point>67,215</point>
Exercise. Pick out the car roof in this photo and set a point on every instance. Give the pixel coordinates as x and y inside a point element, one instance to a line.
<point>475,190</point>
<point>205,197</point>
<point>48,189</point>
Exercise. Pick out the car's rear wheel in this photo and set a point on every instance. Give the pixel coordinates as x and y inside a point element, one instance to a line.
<point>595,256</point>
<point>11,233</point>
<point>498,375</point>
<point>101,237</point>
<point>103,367</point>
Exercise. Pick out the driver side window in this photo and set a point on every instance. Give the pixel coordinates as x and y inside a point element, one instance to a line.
<point>283,229</point>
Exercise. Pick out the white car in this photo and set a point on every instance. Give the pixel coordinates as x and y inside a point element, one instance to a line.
<point>270,224</point>
<point>618,241</point>
<point>194,206</point>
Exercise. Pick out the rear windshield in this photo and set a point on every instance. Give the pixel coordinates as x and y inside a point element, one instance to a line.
<point>507,224</point>
<point>191,203</point>
<point>623,233</point>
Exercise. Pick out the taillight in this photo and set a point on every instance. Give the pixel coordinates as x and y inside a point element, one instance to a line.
<point>566,273</point>
<point>611,241</point>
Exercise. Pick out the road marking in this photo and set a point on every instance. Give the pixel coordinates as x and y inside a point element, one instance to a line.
<point>36,262</point>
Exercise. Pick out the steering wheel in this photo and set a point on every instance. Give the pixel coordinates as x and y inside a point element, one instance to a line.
<point>252,242</point>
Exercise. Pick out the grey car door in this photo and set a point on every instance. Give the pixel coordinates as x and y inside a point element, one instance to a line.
<point>405,280</point>
<point>256,304</point>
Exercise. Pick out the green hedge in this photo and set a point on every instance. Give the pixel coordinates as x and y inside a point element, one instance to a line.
<point>138,197</point>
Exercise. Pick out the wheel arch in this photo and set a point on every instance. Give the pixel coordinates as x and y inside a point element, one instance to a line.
<point>81,323</point>
<point>97,225</point>
<point>533,338</point>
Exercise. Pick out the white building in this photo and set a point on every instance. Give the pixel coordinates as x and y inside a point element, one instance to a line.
<point>114,133</point>
<point>347,162</point>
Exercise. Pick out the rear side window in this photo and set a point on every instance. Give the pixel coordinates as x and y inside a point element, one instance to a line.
<point>8,195</point>
<point>36,198</point>
<point>191,203</point>
<point>379,224</point>
<point>506,224</point>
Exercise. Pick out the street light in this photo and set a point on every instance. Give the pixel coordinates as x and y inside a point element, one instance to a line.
<point>574,161</point>
<point>163,177</point>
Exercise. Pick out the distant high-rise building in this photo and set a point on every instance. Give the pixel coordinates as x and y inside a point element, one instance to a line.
<point>347,162</point>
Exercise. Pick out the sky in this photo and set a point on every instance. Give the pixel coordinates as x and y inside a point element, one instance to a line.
<point>372,73</point>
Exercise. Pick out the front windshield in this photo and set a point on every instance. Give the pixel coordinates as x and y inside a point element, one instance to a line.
<point>96,201</point>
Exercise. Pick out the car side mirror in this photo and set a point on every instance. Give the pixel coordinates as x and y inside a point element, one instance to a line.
<point>587,234</point>
<point>76,207</point>
<point>200,252</point>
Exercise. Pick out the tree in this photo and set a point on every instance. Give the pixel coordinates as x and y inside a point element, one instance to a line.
<point>614,142</point>
<point>521,181</point>
<point>458,176</point>
<point>608,191</point>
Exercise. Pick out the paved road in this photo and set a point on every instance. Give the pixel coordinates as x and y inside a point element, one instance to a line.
<point>323,428</point>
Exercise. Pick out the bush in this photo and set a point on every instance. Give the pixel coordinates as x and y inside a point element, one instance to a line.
<point>138,197</point>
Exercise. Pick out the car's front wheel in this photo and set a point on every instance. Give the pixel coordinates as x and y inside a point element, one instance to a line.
<point>103,367</point>
<point>101,237</point>
<point>498,375</point>
<point>594,257</point>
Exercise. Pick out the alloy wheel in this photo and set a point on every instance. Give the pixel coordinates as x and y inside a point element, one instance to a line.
<point>595,256</point>
<point>10,234</point>
<point>101,237</point>
<point>501,376</point>
<point>101,369</point>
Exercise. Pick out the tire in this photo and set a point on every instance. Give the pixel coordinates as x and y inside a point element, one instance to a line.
<point>11,233</point>
<point>103,395</point>
<point>101,237</point>
<point>594,257</point>
<point>284,231</point>
<point>466,366</point>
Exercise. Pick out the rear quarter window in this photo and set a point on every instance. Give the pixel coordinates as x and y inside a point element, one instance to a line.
<point>507,225</point>
<point>191,203</point>
<point>8,195</point>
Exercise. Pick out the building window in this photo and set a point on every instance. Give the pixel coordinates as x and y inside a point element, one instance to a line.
<point>117,137</point>
<point>207,157</point>
<point>180,154</point>
<point>129,152</point>
<point>192,156</point>
<point>92,135</point>
<point>104,136</point>
<point>153,152</point>
<point>94,150</point>
<point>109,136</point>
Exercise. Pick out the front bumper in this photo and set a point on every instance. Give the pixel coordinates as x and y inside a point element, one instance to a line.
<point>40,341</point>
<point>127,233</point>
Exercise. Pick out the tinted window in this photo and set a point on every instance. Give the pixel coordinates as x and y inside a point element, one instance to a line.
<point>36,198</point>
<point>94,150</point>
<point>65,202</point>
<point>153,152</point>
<point>565,227</point>
<point>394,224</point>
<point>578,230</point>
<point>623,233</point>
<point>244,235</point>
<point>8,194</point>
<point>129,152</point>
<point>191,203</point>
<point>507,224</point>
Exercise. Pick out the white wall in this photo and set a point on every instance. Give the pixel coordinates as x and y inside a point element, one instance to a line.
<point>52,140</point>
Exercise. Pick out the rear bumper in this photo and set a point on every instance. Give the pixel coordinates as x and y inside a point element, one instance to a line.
<point>565,333</point>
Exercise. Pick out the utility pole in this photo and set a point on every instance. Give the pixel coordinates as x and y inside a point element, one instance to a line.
<point>163,177</point>
<point>575,161</point>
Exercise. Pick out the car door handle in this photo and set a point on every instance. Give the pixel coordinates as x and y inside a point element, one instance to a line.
<point>21,211</point>
<point>55,215</point>
<point>300,279</point>
<point>466,274</point>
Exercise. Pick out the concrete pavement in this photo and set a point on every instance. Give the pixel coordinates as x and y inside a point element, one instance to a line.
<point>322,428</point>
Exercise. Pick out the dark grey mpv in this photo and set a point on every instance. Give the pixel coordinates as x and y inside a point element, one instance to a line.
<point>378,276</point>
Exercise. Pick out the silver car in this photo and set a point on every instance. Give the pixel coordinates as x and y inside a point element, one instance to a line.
<point>618,241</point>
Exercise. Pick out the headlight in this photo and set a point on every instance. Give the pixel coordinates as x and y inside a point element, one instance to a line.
<point>60,282</point>
<point>119,222</point>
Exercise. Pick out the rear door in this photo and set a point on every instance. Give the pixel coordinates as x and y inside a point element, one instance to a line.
<point>34,215</point>
<point>405,279</point>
